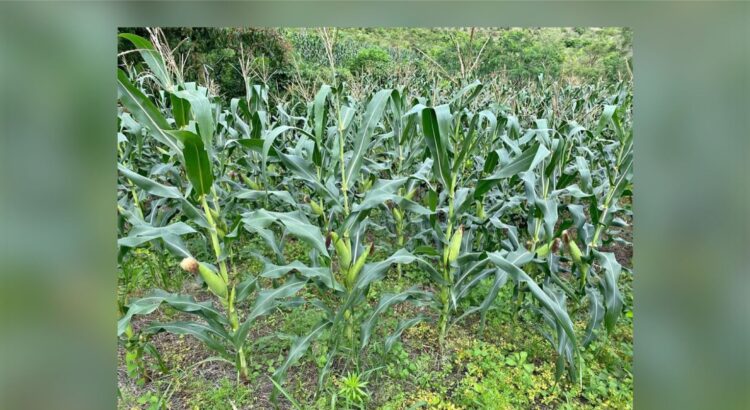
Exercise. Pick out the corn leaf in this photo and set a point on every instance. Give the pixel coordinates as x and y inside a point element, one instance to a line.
<point>195,159</point>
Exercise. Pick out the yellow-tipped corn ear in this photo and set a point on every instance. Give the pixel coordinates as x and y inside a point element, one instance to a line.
<point>213,280</point>
<point>317,209</point>
<point>343,250</point>
<point>454,247</point>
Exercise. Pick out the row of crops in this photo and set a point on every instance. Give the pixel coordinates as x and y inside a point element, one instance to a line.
<point>467,190</point>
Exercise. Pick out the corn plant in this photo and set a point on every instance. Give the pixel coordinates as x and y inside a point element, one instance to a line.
<point>550,176</point>
<point>492,184</point>
<point>330,165</point>
<point>223,330</point>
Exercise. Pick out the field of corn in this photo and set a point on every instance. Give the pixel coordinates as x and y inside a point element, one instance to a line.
<point>437,244</point>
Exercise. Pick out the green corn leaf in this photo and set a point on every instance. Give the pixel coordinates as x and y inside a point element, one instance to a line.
<point>372,272</point>
<point>437,143</point>
<point>386,302</point>
<point>294,222</point>
<point>180,111</point>
<point>320,112</point>
<point>558,311</point>
<point>183,303</point>
<point>525,162</point>
<point>197,164</point>
<point>305,170</point>
<point>596,314</point>
<point>256,145</point>
<point>612,298</point>
<point>299,347</point>
<point>143,233</point>
<point>203,332</point>
<point>322,274</point>
<point>152,58</point>
<point>149,185</point>
<point>269,138</point>
<point>253,195</point>
<point>466,95</point>
<point>370,120</point>
<point>500,278</point>
<point>286,394</point>
<point>200,105</point>
<point>583,171</point>
<point>246,287</point>
<point>266,301</point>
<point>402,326</point>
<point>145,112</point>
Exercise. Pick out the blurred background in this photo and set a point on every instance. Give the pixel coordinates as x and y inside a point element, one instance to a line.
<point>691,64</point>
<point>294,60</point>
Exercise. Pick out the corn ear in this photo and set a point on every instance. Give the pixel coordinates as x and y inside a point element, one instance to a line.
<point>454,247</point>
<point>543,250</point>
<point>575,251</point>
<point>480,210</point>
<point>358,265</point>
<point>233,319</point>
<point>317,209</point>
<point>546,248</point>
<point>249,182</point>
<point>343,250</point>
<point>397,215</point>
<point>411,193</point>
<point>213,280</point>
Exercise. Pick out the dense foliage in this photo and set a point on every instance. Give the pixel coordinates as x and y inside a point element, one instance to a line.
<point>368,215</point>
<point>416,55</point>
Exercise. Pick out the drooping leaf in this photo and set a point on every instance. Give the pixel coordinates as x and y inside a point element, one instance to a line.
<point>145,112</point>
<point>559,312</point>
<point>322,274</point>
<point>596,314</point>
<point>612,297</point>
<point>151,56</point>
<point>294,222</point>
<point>203,332</point>
<point>386,302</point>
<point>149,185</point>
<point>402,325</point>
<point>523,163</point>
<point>183,303</point>
<point>266,301</point>
<point>299,347</point>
